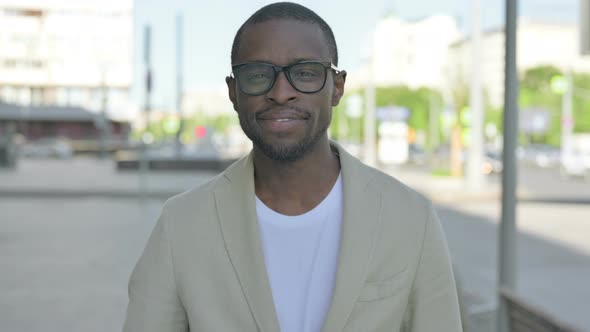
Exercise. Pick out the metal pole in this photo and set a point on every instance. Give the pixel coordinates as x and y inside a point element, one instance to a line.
<point>106,126</point>
<point>143,160</point>
<point>179,81</point>
<point>370,144</point>
<point>567,116</point>
<point>148,73</point>
<point>474,175</point>
<point>433,123</point>
<point>507,236</point>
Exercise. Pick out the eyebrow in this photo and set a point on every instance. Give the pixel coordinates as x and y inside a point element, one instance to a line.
<point>305,59</point>
<point>293,61</point>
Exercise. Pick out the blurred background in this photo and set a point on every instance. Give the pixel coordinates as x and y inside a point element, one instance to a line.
<point>108,108</point>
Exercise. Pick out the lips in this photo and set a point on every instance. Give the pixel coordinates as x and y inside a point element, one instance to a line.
<point>282,121</point>
<point>283,115</point>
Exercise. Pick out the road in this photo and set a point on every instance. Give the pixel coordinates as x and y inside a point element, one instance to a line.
<point>536,182</point>
<point>547,182</point>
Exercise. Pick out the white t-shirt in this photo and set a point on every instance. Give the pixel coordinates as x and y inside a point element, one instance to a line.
<point>301,255</point>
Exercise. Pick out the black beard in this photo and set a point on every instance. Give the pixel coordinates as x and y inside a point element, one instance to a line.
<point>283,153</point>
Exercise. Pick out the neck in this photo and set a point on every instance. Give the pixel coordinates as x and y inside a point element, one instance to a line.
<point>296,187</point>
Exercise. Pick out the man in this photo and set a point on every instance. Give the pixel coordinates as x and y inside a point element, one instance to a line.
<point>298,235</point>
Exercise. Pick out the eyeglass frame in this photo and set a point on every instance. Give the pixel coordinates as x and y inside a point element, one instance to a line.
<point>277,69</point>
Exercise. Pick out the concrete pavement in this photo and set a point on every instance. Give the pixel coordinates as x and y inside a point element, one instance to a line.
<point>92,177</point>
<point>65,263</point>
<point>69,257</point>
<point>96,177</point>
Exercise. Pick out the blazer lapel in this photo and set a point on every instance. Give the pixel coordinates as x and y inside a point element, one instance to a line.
<point>236,209</point>
<point>361,218</point>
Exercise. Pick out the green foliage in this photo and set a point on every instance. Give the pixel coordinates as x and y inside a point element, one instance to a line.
<point>417,101</point>
<point>494,116</point>
<point>441,172</point>
<point>582,103</point>
<point>343,127</point>
<point>217,123</point>
<point>335,129</point>
<point>460,94</point>
<point>535,91</point>
<point>539,79</point>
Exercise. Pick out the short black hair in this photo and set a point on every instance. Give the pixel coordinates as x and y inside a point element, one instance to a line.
<point>287,10</point>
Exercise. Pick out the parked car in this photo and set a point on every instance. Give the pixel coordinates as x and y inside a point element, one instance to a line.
<point>575,159</point>
<point>540,155</point>
<point>416,155</point>
<point>576,164</point>
<point>492,161</point>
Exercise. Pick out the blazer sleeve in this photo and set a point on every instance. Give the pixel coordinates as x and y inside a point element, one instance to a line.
<point>154,304</point>
<point>434,304</point>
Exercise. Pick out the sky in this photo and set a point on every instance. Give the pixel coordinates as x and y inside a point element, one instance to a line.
<point>210,26</point>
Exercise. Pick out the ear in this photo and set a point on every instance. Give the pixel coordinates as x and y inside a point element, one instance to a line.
<point>338,92</point>
<point>231,89</point>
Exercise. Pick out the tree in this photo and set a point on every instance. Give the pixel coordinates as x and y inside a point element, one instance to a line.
<point>418,101</point>
<point>536,91</point>
<point>539,78</point>
<point>460,95</point>
<point>581,103</point>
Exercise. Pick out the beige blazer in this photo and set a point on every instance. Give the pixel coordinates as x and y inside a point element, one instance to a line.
<point>203,267</point>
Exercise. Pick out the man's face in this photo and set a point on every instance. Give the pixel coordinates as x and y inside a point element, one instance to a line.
<point>283,123</point>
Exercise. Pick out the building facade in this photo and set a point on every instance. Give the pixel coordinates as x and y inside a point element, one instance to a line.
<point>412,53</point>
<point>538,43</point>
<point>67,53</point>
<point>83,129</point>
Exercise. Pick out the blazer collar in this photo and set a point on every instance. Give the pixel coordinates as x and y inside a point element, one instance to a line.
<point>360,222</point>
<point>236,208</point>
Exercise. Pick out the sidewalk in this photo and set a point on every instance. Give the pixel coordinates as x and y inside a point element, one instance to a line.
<point>96,177</point>
<point>92,177</point>
<point>551,237</point>
<point>446,189</point>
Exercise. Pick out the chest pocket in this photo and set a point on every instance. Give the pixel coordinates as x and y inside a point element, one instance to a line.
<point>374,291</point>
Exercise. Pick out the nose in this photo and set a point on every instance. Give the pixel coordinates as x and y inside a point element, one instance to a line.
<point>282,91</point>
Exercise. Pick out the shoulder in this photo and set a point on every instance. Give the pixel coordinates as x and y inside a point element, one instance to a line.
<point>392,188</point>
<point>393,191</point>
<point>194,196</point>
<point>189,221</point>
<point>192,208</point>
<point>403,210</point>
<point>196,201</point>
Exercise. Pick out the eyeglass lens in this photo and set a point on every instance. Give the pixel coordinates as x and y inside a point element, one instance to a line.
<point>306,77</point>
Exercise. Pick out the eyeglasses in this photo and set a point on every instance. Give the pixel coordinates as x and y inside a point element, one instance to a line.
<point>257,78</point>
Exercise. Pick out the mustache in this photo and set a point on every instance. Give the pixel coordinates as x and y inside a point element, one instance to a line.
<point>301,111</point>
